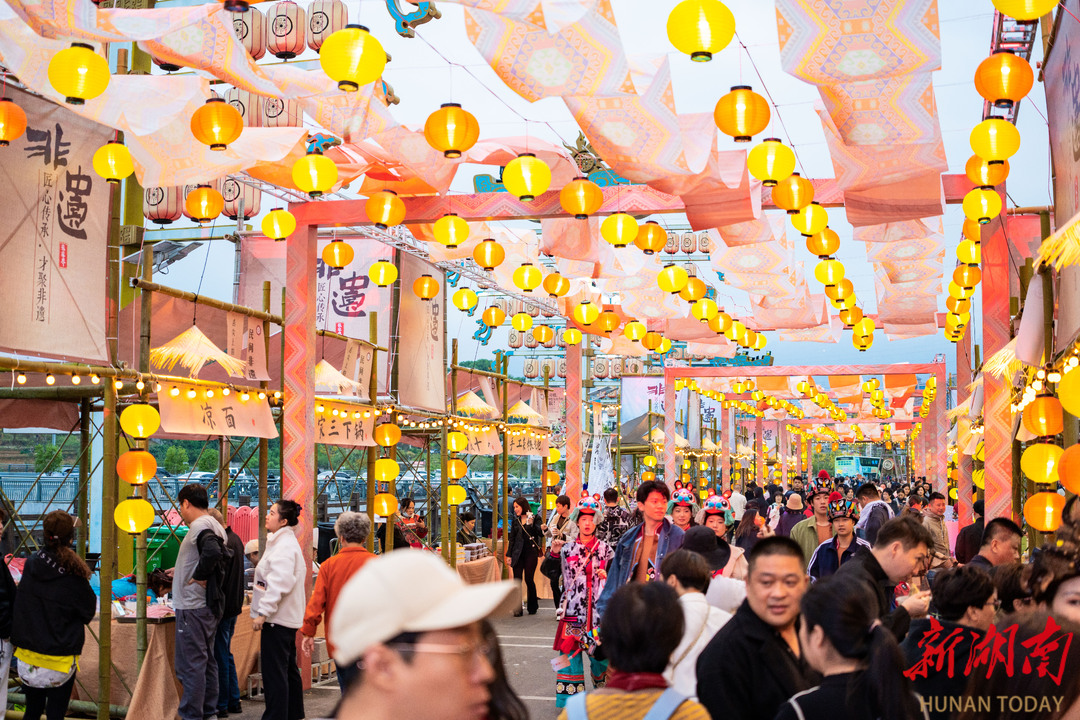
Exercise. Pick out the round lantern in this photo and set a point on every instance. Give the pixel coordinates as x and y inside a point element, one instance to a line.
<point>1043,416</point>
<point>581,197</point>
<point>383,273</point>
<point>664,346</point>
<point>650,238</point>
<point>552,478</point>
<point>635,330</point>
<point>136,467</point>
<point>425,287</point>
<point>521,321</point>
<point>1069,468</point>
<point>793,193</point>
<point>78,73</point>
<point>543,334</point>
<point>1003,79</point>
<point>742,113</point>
<point>526,176</point>
<point>823,243</point>
<point>771,161</point>
<point>493,316</point>
<point>556,285</point>
<point>1042,511</point>
<point>571,336</point>
<point>386,470</point>
<point>337,254</point>
<point>216,123</point>
<point>850,317</point>
<point>841,291</point>
<point>234,193</point>
<point>608,321</point>
<point>457,441</point>
<point>864,327</point>
<point>969,253</point>
<point>960,293</point>
<point>203,204</point>
<point>811,220</point>
<point>163,205</point>
<point>554,456</point>
<point>450,230</point>
<point>325,17</point>
<point>720,323</point>
<point>672,279</point>
<point>281,113</point>
<point>387,434</point>
<point>982,205</point>
<point>652,340</point>
<point>735,331</point>
<point>249,105</point>
<point>455,494</point>
<point>12,122</point>
<point>250,28</point>
<point>1068,389</point>
<point>648,476</point>
<point>983,174</point>
<point>694,290</point>
<point>278,224</point>
<point>140,421</point>
<point>465,299</point>
<point>649,461</point>
<point>829,271</point>
<point>995,140</point>
<point>385,209</point>
<point>704,310</point>
<point>760,341</point>
<point>1039,462</point>
<point>385,504</point>
<point>619,229</point>
<point>489,254</point>
<point>352,57</point>
<point>586,312</point>
<point>957,306</point>
<point>971,230</point>
<point>967,276</point>
<point>286,29</point>
<point>451,130</point>
<point>527,277</point>
<point>112,161</point>
<point>315,174</point>
<point>1025,10</point>
<point>134,515</point>
<point>700,28</point>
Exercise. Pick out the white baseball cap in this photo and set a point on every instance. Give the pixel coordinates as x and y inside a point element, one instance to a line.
<point>408,591</point>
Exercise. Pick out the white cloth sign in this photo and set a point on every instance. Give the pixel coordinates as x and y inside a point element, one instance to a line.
<point>483,443</point>
<point>526,444</point>
<point>53,235</point>
<point>343,424</point>
<point>421,347</point>
<point>245,341</point>
<point>220,414</point>
<point>601,470</point>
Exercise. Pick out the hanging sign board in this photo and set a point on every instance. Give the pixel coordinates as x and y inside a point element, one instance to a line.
<point>527,443</point>
<point>483,442</point>
<point>246,342</point>
<point>230,415</point>
<point>421,381</point>
<point>343,424</point>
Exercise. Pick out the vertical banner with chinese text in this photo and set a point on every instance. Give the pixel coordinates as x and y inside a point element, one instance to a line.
<point>53,235</point>
<point>421,345</point>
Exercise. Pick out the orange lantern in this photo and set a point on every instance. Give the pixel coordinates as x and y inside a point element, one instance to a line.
<point>493,316</point>
<point>451,130</point>
<point>1069,468</point>
<point>387,434</point>
<point>556,285</point>
<point>489,254</point>
<point>793,193</point>
<point>648,476</point>
<point>695,290</point>
<point>543,334</point>
<point>824,243</point>
<point>216,123</point>
<point>1043,511</point>
<point>967,276</point>
<point>1004,79</point>
<point>426,287</point>
<point>385,209</point>
<point>608,321</point>
<point>652,340</point>
<point>581,197</point>
<point>12,122</point>
<point>203,204</point>
<point>651,238</point>
<point>742,113</point>
<point>136,467</point>
<point>1043,416</point>
<point>983,174</point>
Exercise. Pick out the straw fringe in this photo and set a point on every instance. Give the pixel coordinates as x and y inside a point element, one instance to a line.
<point>1004,362</point>
<point>328,378</point>
<point>192,350</point>
<point>1062,248</point>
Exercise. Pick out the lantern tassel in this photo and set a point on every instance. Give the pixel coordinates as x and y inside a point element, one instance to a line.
<point>192,350</point>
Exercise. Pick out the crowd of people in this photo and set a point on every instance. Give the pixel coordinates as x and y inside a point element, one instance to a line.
<point>826,599</point>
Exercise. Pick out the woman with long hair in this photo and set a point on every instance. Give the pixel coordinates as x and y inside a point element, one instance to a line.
<point>504,703</point>
<point>748,532</point>
<point>53,604</point>
<point>842,638</point>
<point>524,549</point>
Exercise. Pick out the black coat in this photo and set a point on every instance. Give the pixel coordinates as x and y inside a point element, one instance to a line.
<point>748,671</point>
<point>525,539</point>
<point>866,567</point>
<point>234,575</point>
<point>969,541</point>
<point>51,608</point>
<point>7,600</point>
<point>937,683</point>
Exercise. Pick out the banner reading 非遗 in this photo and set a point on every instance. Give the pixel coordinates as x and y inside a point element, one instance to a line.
<point>421,381</point>
<point>231,415</point>
<point>53,234</point>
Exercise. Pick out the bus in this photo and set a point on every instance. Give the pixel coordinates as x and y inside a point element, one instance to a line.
<point>852,465</point>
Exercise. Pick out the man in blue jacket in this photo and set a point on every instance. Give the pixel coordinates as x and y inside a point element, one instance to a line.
<point>641,549</point>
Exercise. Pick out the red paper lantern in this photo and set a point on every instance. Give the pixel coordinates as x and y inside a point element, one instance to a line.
<point>325,17</point>
<point>286,30</point>
<point>163,205</point>
<point>250,28</point>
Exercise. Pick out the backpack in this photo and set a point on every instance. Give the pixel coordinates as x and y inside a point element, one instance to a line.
<point>216,584</point>
<point>665,706</point>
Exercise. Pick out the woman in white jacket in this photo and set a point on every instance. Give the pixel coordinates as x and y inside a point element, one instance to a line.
<point>277,607</point>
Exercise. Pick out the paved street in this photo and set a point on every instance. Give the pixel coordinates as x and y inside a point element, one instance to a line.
<point>526,645</point>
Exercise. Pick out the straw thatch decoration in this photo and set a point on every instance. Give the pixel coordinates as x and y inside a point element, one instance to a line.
<point>470,405</point>
<point>329,379</point>
<point>522,414</point>
<point>961,409</point>
<point>1004,362</point>
<point>1062,248</point>
<point>975,384</point>
<point>192,350</point>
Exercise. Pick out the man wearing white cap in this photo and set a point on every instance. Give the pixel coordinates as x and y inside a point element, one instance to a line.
<point>413,626</point>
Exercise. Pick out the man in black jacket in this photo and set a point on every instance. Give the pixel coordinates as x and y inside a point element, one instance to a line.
<point>228,685</point>
<point>754,663</point>
<point>902,549</point>
<point>969,539</point>
<point>7,613</point>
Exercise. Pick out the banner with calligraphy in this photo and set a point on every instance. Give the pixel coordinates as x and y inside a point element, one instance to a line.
<point>421,347</point>
<point>639,391</point>
<point>246,342</point>
<point>343,424</point>
<point>527,444</point>
<point>53,233</point>
<point>190,412</point>
<point>483,442</point>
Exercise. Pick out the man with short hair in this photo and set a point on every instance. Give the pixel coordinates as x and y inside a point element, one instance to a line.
<point>934,521</point>
<point>754,662</point>
<point>689,573</point>
<point>197,565</point>
<point>641,549</point>
<point>616,519</point>
<point>837,550</point>
<point>228,683</point>
<point>902,548</point>
<point>817,528</point>
<point>873,512</point>
<point>737,501</point>
<point>412,630</point>
<point>965,602</point>
<point>969,539</point>
<point>1000,544</point>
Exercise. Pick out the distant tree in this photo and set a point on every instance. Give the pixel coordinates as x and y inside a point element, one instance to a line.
<point>483,364</point>
<point>176,460</point>
<point>208,461</point>
<point>46,458</point>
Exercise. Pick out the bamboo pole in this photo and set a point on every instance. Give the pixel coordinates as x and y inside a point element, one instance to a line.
<point>83,501</point>
<point>373,395</point>
<point>145,313</point>
<point>495,507</point>
<point>146,285</point>
<point>505,461</point>
<point>264,443</point>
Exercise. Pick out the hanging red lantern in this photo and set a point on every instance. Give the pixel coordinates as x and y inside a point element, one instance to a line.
<point>233,192</point>
<point>163,205</point>
<point>250,28</point>
<point>325,17</point>
<point>286,30</point>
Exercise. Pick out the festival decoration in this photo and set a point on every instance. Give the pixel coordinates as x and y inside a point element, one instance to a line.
<point>315,174</point>
<point>286,24</point>
<point>527,277</point>
<point>352,57</point>
<point>526,176</point>
<point>136,467</point>
<point>457,441</point>
<point>465,299</point>
<point>385,209</point>
<point>493,316</point>
<point>12,121</point>
<point>1039,462</point>
<point>337,254</point>
<point>384,504</point>
<point>203,204</point>
<point>450,230</point>
<point>112,161</point>
<point>134,515</point>
<point>700,28</point>
<point>556,285</point>
<point>619,229</point>
<point>79,73</point>
<point>521,321</point>
<point>983,174</point>
<point>672,279</point>
<point>216,123</point>
<point>811,220</point>
<point>1043,511</point>
<point>741,113</point>
<point>982,204</point>
<point>325,17</point>
<point>451,130</point>
<point>425,287</point>
<point>1043,416</point>
<point>278,224</point>
<point>571,336</point>
<point>383,273</point>
<point>140,421</point>
<point>650,238</point>
<point>387,434</point>
<point>329,379</point>
<point>586,312</point>
<point>581,198</point>
<point>455,494</point>
<point>191,350</point>
<point>543,334</point>
<point>793,193</point>
<point>1025,10</point>
<point>771,161</point>
<point>995,140</point>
